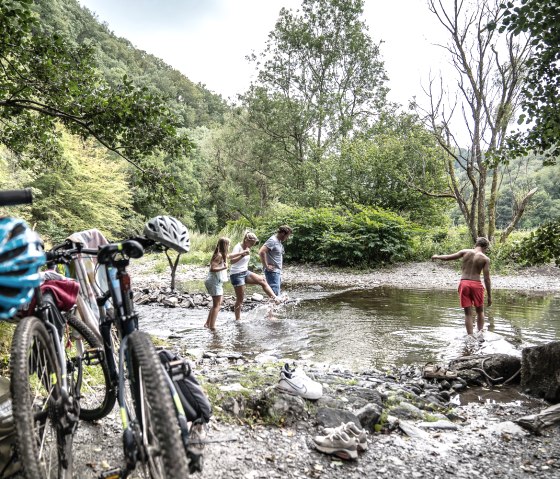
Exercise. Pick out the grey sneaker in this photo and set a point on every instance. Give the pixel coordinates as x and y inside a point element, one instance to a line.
<point>195,448</point>
<point>352,431</point>
<point>479,336</point>
<point>337,443</point>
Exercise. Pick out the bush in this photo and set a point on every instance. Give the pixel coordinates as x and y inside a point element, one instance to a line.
<point>426,243</point>
<point>365,236</point>
<point>542,246</point>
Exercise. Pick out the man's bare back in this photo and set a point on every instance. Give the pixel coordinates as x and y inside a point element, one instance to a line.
<point>473,264</point>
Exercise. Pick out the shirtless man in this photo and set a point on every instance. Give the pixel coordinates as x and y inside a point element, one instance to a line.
<point>471,292</point>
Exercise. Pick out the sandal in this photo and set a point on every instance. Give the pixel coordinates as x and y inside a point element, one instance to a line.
<point>432,370</point>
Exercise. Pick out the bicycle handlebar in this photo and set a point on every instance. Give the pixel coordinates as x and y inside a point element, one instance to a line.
<point>15,197</point>
<point>130,248</point>
<point>65,251</point>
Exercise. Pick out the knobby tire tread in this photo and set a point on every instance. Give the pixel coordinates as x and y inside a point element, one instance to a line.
<point>109,394</point>
<point>165,423</point>
<point>22,408</point>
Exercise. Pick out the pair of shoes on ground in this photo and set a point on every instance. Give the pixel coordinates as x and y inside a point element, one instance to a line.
<point>474,340</point>
<point>296,382</point>
<point>432,370</point>
<point>344,441</point>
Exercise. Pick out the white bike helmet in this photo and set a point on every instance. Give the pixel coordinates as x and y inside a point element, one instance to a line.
<point>169,232</point>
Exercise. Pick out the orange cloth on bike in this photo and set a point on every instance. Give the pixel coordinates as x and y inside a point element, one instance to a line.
<point>471,293</point>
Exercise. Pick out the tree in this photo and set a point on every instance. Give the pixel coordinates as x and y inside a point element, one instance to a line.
<point>490,72</point>
<point>540,19</point>
<point>47,82</point>
<point>379,168</point>
<point>320,81</point>
<point>66,199</point>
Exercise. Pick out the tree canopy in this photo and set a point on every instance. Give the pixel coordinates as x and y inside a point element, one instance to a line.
<point>540,19</point>
<point>48,82</point>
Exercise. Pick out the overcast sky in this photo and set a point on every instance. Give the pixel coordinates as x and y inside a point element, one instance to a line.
<point>207,40</point>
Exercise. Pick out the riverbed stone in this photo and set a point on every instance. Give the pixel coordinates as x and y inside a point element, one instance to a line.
<point>540,371</point>
<point>369,416</point>
<point>291,409</point>
<point>405,410</point>
<point>329,417</point>
<point>441,425</point>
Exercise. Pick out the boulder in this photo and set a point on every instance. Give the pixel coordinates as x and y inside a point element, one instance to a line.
<point>328,417</point>
<point>488,369</point>
<point>540,371</point>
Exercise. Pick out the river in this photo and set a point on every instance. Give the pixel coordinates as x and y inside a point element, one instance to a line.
<point>364,328</point>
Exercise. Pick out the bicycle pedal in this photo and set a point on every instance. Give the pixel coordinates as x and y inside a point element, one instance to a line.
<point>93,356</point>
<point>111,474</point>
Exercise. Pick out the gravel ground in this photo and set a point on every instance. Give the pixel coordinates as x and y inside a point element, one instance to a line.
<point>486,444</point>
<point>409,275</point>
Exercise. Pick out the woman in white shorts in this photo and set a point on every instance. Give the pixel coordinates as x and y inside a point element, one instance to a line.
<point>240,275</point>
<point>215,280</point>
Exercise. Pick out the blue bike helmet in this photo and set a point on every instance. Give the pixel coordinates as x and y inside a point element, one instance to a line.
<point>21,257</point>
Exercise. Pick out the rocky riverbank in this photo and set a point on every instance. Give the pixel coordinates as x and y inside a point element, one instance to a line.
<point>416,427</point>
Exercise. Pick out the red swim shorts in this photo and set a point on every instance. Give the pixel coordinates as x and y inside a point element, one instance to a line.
<point>471,293</point>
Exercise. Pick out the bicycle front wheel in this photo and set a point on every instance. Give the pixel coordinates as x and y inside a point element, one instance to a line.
<point>97,397</point>
<point>163,452</point>
<point>44,448</point>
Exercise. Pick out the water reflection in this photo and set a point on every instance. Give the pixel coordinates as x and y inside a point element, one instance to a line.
<point>366,328</point>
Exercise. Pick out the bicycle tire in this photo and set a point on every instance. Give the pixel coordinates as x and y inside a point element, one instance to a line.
<point>44,450</point>
<point>155,413</point>
<point>97,396</point>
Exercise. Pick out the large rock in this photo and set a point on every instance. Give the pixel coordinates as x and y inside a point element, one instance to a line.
<point>328,417</point>
<point>540,371</point>
<point>487,369</point>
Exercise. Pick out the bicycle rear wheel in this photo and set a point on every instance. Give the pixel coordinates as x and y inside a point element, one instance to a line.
<point>97,394</point>
<point>163,454</point>
<point>44,448</point>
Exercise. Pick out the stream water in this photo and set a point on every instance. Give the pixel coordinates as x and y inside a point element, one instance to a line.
<point>364,328</point>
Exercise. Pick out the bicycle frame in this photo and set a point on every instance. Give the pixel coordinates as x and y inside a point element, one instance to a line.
<point>115,258</point>
<point>70,392</point>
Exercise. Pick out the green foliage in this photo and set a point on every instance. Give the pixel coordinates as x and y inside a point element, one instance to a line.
<point>542,246</point>
<point>362,237</point>
<point>67,200</point>
<point>320,80</point>
<point>426,243</point>
<point>46,81</point>
<point>383,167</point>
<point>539,20</point>
<point>6,334</point>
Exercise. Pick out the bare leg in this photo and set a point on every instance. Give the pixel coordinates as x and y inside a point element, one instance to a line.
<point>239,295</point>
<point>253,278</point>
<point>480,317</point>
<point>468,321</point>
<point>213,313</point>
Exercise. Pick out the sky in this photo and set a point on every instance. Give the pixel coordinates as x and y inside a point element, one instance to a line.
<point>208,40</point>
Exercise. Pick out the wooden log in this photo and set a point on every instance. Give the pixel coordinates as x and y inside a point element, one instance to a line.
<point>536,422</point>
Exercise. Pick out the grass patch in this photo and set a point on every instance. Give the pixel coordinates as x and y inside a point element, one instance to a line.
<point>6,334</point>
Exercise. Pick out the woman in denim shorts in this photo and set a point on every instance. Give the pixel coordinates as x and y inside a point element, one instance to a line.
<point>240,275</point>
<point>215,280</point>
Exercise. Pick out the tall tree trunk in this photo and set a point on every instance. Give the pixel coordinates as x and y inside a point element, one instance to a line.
<point>492,201</point>
<point>518,215</point>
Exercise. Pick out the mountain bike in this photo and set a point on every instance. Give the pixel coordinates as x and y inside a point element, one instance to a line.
<point>153,425</point>
<point>45,379</point>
